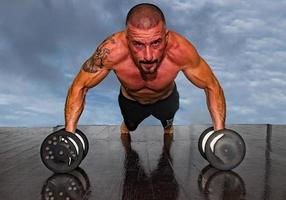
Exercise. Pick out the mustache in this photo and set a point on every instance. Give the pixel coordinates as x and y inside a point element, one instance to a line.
<point>148,62</point>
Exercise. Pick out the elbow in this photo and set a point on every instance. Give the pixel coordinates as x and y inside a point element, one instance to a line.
<point>214,86</point>
<point>76,90</point>
<point>85,90</point>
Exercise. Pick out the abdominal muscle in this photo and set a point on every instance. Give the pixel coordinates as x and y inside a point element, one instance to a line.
<point>147,95</point>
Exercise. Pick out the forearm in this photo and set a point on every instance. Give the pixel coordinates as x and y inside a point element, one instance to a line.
<point>74,107</point>
<point>216,105</point>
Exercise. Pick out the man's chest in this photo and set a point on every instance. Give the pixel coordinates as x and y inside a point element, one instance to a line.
<point>130,77</point>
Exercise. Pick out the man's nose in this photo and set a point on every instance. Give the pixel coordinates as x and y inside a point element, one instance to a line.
<point>148,54</point>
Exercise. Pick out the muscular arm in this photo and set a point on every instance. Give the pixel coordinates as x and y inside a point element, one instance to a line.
<point>92,72</point>
<point>200,74</point>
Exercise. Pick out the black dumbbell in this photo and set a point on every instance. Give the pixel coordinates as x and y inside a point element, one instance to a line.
<point>62,151</point>
<point>224,149</point>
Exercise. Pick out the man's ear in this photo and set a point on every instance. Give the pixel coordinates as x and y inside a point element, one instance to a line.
<point>167,35</point>
<point>126,35</point>
<point>125,32</point>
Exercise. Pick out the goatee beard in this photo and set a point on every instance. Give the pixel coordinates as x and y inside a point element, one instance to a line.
<point>149,76</point>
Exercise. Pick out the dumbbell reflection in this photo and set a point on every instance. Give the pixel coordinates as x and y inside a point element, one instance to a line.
<point>217,184</point>
<point>74,185</point>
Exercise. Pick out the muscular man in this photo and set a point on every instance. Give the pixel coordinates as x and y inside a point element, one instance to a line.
<point>146,58</point>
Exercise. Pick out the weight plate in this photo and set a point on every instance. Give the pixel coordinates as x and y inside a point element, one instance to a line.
<point>85,141</point>
<point>61,151</point>
<point>202,140</point>
<point>225,149</point>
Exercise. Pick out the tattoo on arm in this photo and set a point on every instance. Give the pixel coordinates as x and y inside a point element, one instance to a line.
<point>99,59</point>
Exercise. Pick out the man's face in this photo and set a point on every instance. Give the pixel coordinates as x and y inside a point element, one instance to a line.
<point>147,47</point>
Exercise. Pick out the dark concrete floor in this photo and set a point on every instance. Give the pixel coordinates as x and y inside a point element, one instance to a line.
<point>146,166</point>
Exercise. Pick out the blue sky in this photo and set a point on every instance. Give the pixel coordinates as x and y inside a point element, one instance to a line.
<point>44,43</point>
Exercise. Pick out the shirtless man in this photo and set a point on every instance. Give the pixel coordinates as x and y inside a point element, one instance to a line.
<point>146,58</point>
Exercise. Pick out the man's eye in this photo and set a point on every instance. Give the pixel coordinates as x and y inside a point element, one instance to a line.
<point>137,44</point>
<point>156,43</point>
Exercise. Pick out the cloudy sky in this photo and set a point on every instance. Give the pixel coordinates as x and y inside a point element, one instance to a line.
<point>44,42</point>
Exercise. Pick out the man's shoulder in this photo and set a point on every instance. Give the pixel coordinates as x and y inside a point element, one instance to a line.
<point>114,41</point>
<point>117,36</point>
<point>115,47</point>
<point>179,42</point>
<point>180,49</point>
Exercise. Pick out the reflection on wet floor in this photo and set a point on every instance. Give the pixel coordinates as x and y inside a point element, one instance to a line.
<point>144,165</point>
<point>160,184</point>
<point>216,184</point>
<point>73,185</point>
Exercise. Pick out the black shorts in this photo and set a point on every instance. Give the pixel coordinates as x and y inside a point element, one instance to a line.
<point>134,113</point>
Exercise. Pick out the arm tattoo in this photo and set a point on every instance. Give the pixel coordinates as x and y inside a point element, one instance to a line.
<point>99,58</point>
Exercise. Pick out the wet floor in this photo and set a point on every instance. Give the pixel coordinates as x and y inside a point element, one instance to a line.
<point>147,165</point>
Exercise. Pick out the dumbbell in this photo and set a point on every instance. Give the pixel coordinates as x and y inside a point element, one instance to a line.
<point>62,151</point>
<point>224,149</point>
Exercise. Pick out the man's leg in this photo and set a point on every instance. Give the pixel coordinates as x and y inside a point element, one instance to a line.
<point>123,128</point>
<point>165,111</point>
<point>133,114</point>
<point>168,126</point>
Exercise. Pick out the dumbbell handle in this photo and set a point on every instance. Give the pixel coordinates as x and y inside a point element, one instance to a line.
<point>70,130</point>
<point>79,137</point>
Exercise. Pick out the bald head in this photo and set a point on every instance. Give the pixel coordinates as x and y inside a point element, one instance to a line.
<point>145,16</point>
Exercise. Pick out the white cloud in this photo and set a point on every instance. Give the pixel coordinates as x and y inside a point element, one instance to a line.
<point>243,25</point>
<point>185,6</point>
<point>185,101</point>
<point>270,98</point>
<point>6,99</point>
<point>36,104</point>
<point>263,43</point>
<point>241,110</point>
